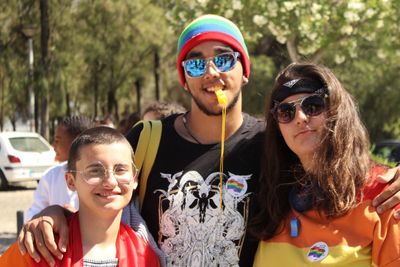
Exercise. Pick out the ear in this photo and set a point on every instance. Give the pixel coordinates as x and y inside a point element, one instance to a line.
<point>135,183</point>
<point>245,80</point>
<point>186,87</point>
<point>70,179</point>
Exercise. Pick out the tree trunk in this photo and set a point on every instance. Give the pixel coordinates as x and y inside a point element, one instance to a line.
<point>157,72</point>
<point>95,91</point>
<point>270,47</point>
<point>13,121</point>
<point>44,115</point>
<point>2,102</point>
<point>292,50</point>
<point>96,71</point>
<point>44,45</point>
<point>138,85</point>
<point>116,113</point>
<point>36,108</point>
<point>110,100</point>
<point>67,100</point>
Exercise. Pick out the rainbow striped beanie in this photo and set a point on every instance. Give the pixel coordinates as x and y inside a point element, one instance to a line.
<point>211,28</point>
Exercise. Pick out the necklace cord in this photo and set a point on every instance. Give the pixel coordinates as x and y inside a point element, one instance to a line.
<point>184,120</point>
<point>222,99</point>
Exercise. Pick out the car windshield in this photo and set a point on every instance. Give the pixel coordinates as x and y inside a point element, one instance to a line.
<point>28,144</point>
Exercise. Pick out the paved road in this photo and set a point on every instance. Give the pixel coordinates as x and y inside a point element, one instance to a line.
<point>12,200</point>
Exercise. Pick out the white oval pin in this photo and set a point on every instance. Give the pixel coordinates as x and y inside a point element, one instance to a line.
<point>318,252</point>
<point>236,186</point>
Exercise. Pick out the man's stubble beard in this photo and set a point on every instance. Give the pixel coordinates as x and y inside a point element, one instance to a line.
<point>208,112</point>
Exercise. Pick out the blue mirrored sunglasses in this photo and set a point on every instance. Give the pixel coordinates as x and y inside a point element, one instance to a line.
<point>196,67</point>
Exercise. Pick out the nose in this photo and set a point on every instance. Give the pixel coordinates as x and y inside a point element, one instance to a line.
<point>211,71</point>
<point>109,179</point>
<point>300,116</point>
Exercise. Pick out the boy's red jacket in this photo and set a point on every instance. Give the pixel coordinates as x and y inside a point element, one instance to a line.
<point>131,250</point>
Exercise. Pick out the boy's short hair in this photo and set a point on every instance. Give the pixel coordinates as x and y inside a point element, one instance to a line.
<point>75,125</point>
<point>101,135</point>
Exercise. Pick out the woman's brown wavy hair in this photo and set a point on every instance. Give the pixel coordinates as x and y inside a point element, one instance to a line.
<point>340,164</point>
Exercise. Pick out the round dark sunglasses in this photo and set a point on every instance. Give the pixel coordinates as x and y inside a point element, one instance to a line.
<point>311,105</point>
<point>196,67</point>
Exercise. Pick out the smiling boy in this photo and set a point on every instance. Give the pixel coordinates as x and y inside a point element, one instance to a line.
<point>101,170</point>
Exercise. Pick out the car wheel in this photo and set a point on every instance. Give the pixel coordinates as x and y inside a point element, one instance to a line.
<point>3,181</point>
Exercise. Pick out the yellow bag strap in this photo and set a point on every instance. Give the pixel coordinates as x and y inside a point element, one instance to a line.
<point>143,143</point>
<point>146,152</point>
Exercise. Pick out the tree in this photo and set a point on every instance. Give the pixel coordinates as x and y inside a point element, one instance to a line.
<point>13,61</point>
<point>104,55</point>
<point>351,37</point>
<point>119,40</point>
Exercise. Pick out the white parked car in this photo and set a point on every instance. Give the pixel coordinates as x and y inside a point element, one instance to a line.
<point>23,157</point>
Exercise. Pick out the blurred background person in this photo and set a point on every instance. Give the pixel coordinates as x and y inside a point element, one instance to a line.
<point>107,120</point>
<point>127,123</point>
<point>159,110</point>
<point>52,188</point>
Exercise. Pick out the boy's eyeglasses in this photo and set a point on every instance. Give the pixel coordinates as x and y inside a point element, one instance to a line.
<point>96,173</point>
<point>196,67</point>
<point>311,105</point>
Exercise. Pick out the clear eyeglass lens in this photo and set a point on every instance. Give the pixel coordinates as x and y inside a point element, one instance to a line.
<point>122,173</point>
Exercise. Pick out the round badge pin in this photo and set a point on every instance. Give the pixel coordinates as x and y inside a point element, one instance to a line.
<point>318,252</point>
<point>236,186</point>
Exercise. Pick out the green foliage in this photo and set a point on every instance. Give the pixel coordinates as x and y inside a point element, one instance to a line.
<point>13,68</point>
<point>357,39</point>
<point>382,158</point>
<point>260,84</point>
<point>104,47</point>
<point>393,129</point>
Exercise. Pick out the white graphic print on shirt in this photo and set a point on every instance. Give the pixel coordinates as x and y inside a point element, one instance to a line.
<point>194,229</point>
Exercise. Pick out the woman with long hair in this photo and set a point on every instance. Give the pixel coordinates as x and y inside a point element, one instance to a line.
<point>317,182</point>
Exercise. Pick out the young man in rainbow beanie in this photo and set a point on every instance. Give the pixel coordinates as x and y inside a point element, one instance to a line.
<point>199,195</point>
<point>196,219</point>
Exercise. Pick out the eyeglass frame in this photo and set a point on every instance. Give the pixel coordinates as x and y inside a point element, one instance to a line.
<point>235,54</point>
<point>299,102</point>
<point>135,172</point>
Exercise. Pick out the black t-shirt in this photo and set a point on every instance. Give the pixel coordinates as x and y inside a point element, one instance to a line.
<point>182,201</point>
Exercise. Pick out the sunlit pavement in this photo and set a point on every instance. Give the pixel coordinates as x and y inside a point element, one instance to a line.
<point>13,199</point>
